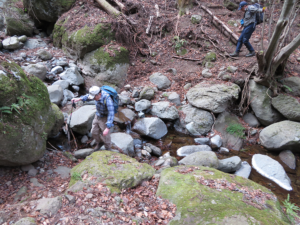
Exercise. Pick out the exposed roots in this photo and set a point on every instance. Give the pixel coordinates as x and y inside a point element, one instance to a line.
<point>124,32</point>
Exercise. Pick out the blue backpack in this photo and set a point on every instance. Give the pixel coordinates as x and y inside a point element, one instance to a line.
<point>260,15</point>
<point>114,96</point>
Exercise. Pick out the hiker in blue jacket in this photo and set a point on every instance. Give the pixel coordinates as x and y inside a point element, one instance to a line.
<point>104,115</point>
<point>249,23</point>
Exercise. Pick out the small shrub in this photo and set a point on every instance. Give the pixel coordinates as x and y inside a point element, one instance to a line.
<point>76,176</point>
<point>291,209</point>
<point>236,130</point>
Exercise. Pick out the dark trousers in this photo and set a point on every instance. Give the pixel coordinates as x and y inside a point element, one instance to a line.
<point>244,38</point>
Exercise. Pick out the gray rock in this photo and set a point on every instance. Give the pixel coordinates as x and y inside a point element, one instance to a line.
<point>281,136</point>
<point>206,73</point>
<point>73,76</point>
<point>170,162</point>
<point>272,170</point>
<point>22,38</point>
<point>62,83</point>
<point>160,80</point>
<point>49,206</point>
<point>56,94</point>
<point>57,69</point>
<point>11,43</point>
<point>123,141</point>
<point>124,100</point>
<point>202,141</point>
<point>196,121</point>
<point>135,93</point>
<point>173,71</point>
<point>180,128</point>
<point>203,158</point>
<point>223,151</point>
<point>163,110</point>
<point>71,199</point>
<point>35,182</point>
<point>251,120</point>
<point>174,98</point>
<point>147,93</point>
<point>83,153</point>
<point>141,115</point>
<point>288,158</point>
<point>288,106</point>
<point>210,57</point>
<point>81,121</point>
<point>62,63</point>
<point>26,221</point>
<point>232,69</point>
<point>23,55</point>
<point>68,94</point>
<point>244,170</point>
<point>216,141</point>
<point>224,121</point>
<point>75,88</point>
<point>44,55</point>
<point>209,65</point>
<point>213,97</point>
<point>155,150</point>
<point>63,171</point>
<point>37,70</point>
<point>27,167</point>
<point>151,127</point>
<point>32,172</point>
<point>294,84</point>
<point>84,139</point>
<point>124,115</point>
<point>34,43</point>
<point>190,149</point>
<point>261,104</point>
<point>195,19</point>
<point>21,192</point>
<point>187,86</point>
<point>229,165</point>
<point>142,105</point>
<point>226,77</point>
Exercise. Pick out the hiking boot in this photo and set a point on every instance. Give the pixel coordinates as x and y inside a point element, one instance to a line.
<point>98,146</point>
<point>250,54</point>
<point>235,54</point>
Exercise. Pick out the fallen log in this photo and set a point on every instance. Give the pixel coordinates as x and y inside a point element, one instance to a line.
<point>108,8</point>
<point>121,5</point>
<point>218,23</point>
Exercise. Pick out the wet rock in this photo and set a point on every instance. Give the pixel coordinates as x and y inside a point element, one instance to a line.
<point>163,110</point>
<point>62,83</point>
<point>37,70</point>
<point>229,165</point>
<point>288,106</point>
<point>44,55</point>
<point>204,94</point>
<point>281,136</point>
<point>190,149</point>
<point>216,141</point>
<point>83,153</point>
<point>206,73</point>
<point>160,80</point>
<point>49,206</point>
<point>147,93</point>
<point>288,158</point>
<point>142,105</point>
<point>11,43</point>
<point>72,76</point>
<point>244,170</point>
<point>124,142</point>
<point>151,127</point>
<point>63,171</point>
<point>261,104</point>
<point>202,141</point>
<point>203,158</point>
<point>272,170</point>
<point>81,121</point>
<point>251,120</point>
<point>26,221</point>
<point>124,115</point>
<point>56,94</point>
<point>155,150</point>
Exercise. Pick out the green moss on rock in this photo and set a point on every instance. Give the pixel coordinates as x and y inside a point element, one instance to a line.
<point>201,204</point>
<point>117,171</point>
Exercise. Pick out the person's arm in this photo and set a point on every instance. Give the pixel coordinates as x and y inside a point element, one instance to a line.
<point>253,9</point>
<point>111,112</point>
<point>81,98</point>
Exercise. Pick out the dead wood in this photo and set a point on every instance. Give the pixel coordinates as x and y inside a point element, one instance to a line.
<point>177,57</point>
<point>109,8</point>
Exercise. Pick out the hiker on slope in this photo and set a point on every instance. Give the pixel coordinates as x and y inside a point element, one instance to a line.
<point>249,24</point>
<point>104,117</point>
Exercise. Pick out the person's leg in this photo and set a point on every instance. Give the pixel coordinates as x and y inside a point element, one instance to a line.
<point>238,45</point>
<point>248,32</point>
<point>106,139</point>
<point>96,132</point>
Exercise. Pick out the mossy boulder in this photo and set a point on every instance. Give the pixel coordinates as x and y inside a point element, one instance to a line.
<point>79,42</point>
<point>210,57</point>
<point>47,10</point>
<point>230,5</point>
<point>208,196</point>
<point>59,120</point>
<point>107,64</point>
<point>116,170</point>
<point>23,133</point>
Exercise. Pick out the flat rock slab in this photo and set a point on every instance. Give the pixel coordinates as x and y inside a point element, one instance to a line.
<point>123,141</point>
<point>63,171</point>
<point>200,199</point>
<point>83,153</point>
<point>49,206</point>
<point>116,170</point>
<point>272,170</point>
<point>244,170</point>
<point>190,149</point>
<point>203,158</point>
<point>288,158</point>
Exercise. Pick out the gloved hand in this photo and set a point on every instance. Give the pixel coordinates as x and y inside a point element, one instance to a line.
<point>242,21</point>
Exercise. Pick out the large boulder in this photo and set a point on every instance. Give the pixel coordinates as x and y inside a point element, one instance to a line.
<point>124,142</point>
<point>213,97</point>
<point>272,170</point>
<point>11,43</point>
<point>56,94</point>
<point>288,106</point>
<point>164,110</point>
<point>231,5</point>
<point>281,136</point>
<point>77,43</point>
<point>196,121</point>
<point>203,158</point>
<point>37,70</point>
<point>292,85</point>
<point>117,171</point>
<point>142,105</point>
<point>48,11</point>
<point>151,126</point>
<point>147,93</point>
<point>160,80</point>
<point>261,104</point>
<point>59,121</point>
<point>82,119</point>
<point>207,196</point>
<point>231,129</point>
<point>23,134</point>
<point>72,75</point>
<point>106,65</point>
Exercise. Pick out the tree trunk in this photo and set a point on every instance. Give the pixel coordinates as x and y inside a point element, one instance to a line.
<point>108,8</point>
